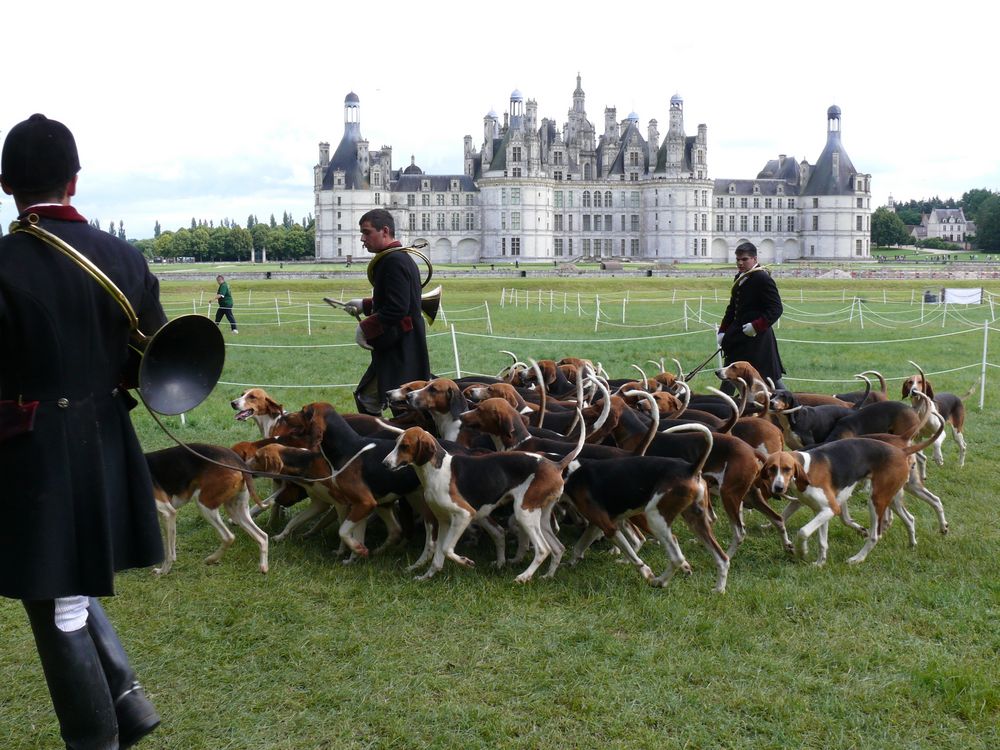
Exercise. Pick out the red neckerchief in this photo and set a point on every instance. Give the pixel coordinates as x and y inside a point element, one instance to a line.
<point>53,211</point>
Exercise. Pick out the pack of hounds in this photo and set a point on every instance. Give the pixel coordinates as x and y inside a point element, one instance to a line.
<point>555,449</point>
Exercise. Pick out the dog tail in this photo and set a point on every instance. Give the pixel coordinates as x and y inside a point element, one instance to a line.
<point>734,418</point>
<point>706,433</point>
<point>568,458</point>
<point>972,389</point>
<point>654,422</point>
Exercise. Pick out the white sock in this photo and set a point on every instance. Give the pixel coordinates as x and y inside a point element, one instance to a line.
<point>71,612</point>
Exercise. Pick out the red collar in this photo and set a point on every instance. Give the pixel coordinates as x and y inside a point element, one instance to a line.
<point>54,211</point>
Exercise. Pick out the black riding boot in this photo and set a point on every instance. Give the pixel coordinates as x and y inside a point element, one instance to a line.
<point>76,681</point>
<point>136,715</point>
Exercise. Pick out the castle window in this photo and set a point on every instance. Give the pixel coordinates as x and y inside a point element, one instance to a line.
<point>516,172</point>
<point>719,219</point>
<point>857,247</point>
<point>607,199</point>
<point>815,223</point>
<point>791,203</point>
<point>515,245</point>
<point>597,222</point>
<point>515,220</point>
<point>633,199</point>
<point>440,221</point>
<point>558,175</point>
<point>861,202</point>
<point>515,153</point>
<point>440,199</point>
<point>413,221</point>
<point>425,184</point>
<point>704,222</point>
<point>704,197</point>
<point>597,199</point>
<point>557,199</point>
<point>425,222</point>
<point>425,200</point>
<point>411,200</point>
<point>634,246</point>
<point>860,223</point>
<point>732,189</point>
<point>454,184</point>
<point>634,219</point>
<point>558,245</point>
<point>768,221</point>
<point>586,199</point>
<point>378,198</point>
<point>557,157</point>
<point>718,202</point>
<point>558,219</point>
<point>743,223</point>
<point>454,199</point>
<point>815,202</point>
<point>732,223</point>
<point>732,203</point>
<point>470,221</point>
<point>515,196</point>
<point>791,223</point>
<point>756,189</point>
<point>756,202</point>
<point>468,199</point>
<point>743,202</point>
<point>756,223</point>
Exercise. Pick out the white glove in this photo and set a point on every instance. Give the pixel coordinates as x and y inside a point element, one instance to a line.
<point>749,330</point>
<point>355,306</point>
<point>719,336</point>
<point>360,340</point>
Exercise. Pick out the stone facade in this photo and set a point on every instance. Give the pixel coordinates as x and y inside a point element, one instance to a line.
<point>537,193</point>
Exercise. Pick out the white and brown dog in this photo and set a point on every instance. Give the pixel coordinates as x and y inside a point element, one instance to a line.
<point>459,489</point>
<point>257,404</point>
<point>180,476</point>
<point>949,408</point>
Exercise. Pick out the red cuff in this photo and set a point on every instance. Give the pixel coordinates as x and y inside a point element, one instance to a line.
<point>760,325</point>
<point>722,328</point>
<point>366,305</point>
<point>371,327</point>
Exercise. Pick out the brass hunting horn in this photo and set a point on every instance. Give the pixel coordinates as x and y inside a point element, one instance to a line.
<point>180,363</point>
<point>429,301</point>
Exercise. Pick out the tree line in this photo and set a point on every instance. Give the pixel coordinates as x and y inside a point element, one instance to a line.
<point>229,241</point>
<point>979,205</point>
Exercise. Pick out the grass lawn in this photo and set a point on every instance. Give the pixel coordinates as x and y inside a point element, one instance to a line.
<point>901,651</point>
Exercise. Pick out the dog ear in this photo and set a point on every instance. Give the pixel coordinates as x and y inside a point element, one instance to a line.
<point>456,402</point>
<point>273,406</point>
<point>315,424</point>
<point>424,449</point>
<point>907,386</point>
<point>800,475</point>
<point>928,388</point>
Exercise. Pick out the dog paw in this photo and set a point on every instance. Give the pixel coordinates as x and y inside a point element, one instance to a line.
<point>465,561</point>
<point>944,529</point>
<point>523,578</point>
<point>647,573</point>
<point>685,568</point>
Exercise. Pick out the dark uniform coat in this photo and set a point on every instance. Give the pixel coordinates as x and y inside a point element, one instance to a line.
<point>394,327</point>
<point>75,494</point>
<point>754,299</point>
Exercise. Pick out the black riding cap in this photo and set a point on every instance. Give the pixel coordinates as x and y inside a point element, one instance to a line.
<point>38,154</point>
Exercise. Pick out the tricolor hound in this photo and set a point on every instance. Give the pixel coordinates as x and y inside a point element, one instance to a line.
<point>461,488</point>
<point>180,476</point>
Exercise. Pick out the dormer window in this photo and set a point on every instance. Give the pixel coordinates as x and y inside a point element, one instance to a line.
<point>454,184</point>
<point>425,184</point>
<point>756,189</point>
<point>732,189</point>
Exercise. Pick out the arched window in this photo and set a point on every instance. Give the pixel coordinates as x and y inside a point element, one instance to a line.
<point>586,171</point>
<point>607,199</point>
<point>597,199</point>
<point>586,199</point>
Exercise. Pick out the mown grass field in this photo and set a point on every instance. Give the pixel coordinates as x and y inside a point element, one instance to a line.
<point>901,651</point>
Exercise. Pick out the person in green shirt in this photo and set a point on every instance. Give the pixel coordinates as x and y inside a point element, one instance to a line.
<point>225,299</point>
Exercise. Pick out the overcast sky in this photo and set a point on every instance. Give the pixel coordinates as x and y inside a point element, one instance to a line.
<point>215,109</point>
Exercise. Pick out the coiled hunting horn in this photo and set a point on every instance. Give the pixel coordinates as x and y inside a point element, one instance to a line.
<point>180,363</point>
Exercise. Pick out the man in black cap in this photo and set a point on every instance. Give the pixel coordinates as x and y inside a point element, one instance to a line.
<point>76,492</point>
<point>745,333</point>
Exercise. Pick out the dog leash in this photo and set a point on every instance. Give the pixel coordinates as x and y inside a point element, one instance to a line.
<point>702,366</point>
<point>267,474</point>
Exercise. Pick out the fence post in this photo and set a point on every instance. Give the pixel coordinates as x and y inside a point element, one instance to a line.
<point>700,308</point>
<point>289,292</point>
<point>444,318</point>
<point>202,297</point>
<point>597,311</point>
<point>208,310</point>
<point>539,300</point>
<point>982,373</point>
<point>277,311</point>
<point>911,296</point>
<point>921,308</point>
<point>249,296</point>
<point>992,315</point>
<point>579,309</point>
<point>851,319</point>
<point>565,295</point>
<point>552,299</point>
<point>624,300</point>
<point>503,293</point>
<point>489,321</point>
<point>861,317</point>
<point>944,314</point>
<point>674,298</point>
<point>194,307</point>
<point>685,315</point>
<point>454,346</point>
<point>309,325</point>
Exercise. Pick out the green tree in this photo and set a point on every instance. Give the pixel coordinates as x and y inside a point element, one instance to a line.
<point>251,220</point>
<point>988,225</point>
<point>261,235</point>
<point>146,247</point>
<point>274,224</point>
<point>238,244</point>
<point>194,224</point>
<point>156,229</point>
<point>121,230</point>
<point>972,200</point>
<point>888,229</point>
